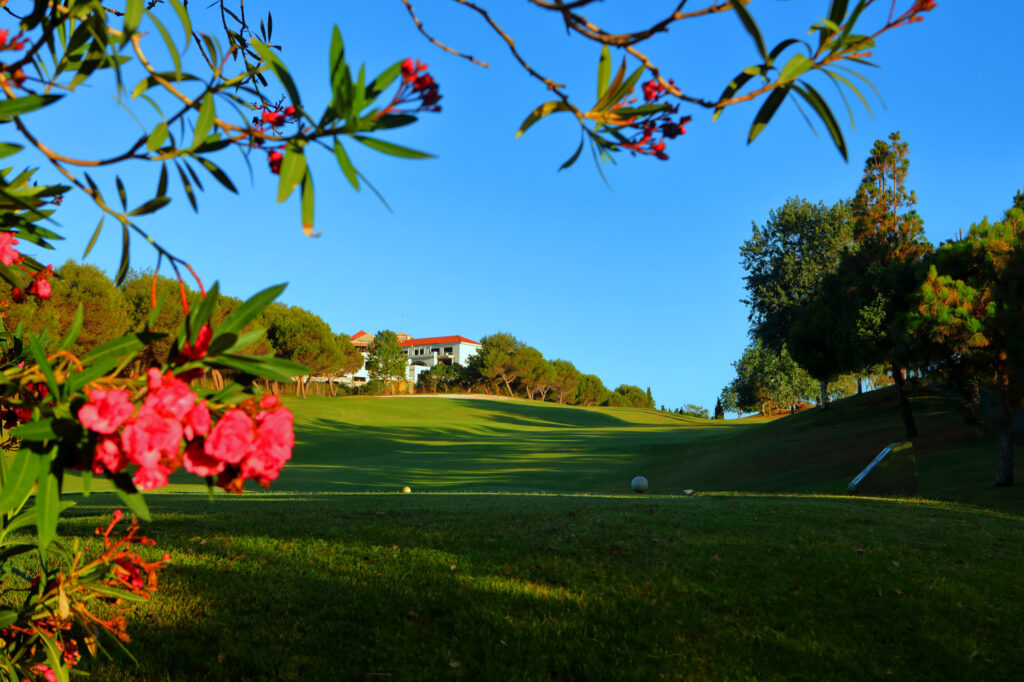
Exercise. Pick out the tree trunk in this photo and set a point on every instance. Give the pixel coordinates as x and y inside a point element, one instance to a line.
<point>298,386</point>
<point>860,385</point>
<point>1005,476</point>
<point>977,418</point>
<point>904,401</point>
<point>823,386</point>
<point>507,386</point>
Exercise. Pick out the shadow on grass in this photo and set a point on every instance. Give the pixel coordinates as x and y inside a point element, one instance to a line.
<point>493,587</point>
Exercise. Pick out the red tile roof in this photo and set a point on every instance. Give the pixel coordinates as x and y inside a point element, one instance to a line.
<point>439,339</point>
<point>357,335</point>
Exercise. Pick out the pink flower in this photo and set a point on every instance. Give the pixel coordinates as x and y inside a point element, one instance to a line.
<point>8,254</point>
<point>40,288</point>
<point>199,463</point>
<point>197,421</point>
<point>108,457</point>
<point>268,402</point>
<point>150,436</point>
<point>168,395</point>
<point>106,410</point>
<point>275,437</point>
<point>275,158</point>
<point>202,344</point>
<point>149,478</point>
<point>231,438</point>
<point>46,671</point>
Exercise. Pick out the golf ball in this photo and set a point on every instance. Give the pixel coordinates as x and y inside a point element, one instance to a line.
<point>639,484</point>
<point>406,489</point>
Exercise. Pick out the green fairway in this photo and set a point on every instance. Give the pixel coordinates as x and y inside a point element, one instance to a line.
<point>475,444</point>
<point>317,579</point>
<point>528,587</point>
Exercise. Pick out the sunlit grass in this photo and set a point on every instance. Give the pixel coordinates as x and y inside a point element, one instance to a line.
<point>481,586</point>
<point>769,572</point>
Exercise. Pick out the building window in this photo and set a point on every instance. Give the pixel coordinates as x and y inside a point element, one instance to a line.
<point>435,350</point>
<point>447,350</point>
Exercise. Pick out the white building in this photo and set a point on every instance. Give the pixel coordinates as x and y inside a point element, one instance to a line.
<point>421,354</point>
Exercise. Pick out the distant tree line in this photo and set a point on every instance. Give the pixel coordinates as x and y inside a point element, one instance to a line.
<point>504,365</point>
<point>854,295</point>
<point>110,311</point>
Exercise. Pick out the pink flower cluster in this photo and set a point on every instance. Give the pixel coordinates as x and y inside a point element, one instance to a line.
<point>40,284</point>
<point>172,428</point>
<point>651,130</point>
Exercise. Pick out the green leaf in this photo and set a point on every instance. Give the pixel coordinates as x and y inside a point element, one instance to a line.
<point>307,204</point>
<point>778,49</point>
<point>132,16</point>
<point>768,109</point>
<point>837,11</point>
<point>819,105</point>
<point>116,349</point>
<point>624,89</point>
<point>109,591</point>
<point>269,366</point>
<point>157,137</point>
<point>845,81</point>
<point>337,59</point>
<point>604,71</point>
<point>751,26</point>
<point>795,67</point>
<point>605,100</point>
<point>572,159</point>
<point>10,108</point>
<point>39,355</point>
<point>121,194</point>
<point>392,148</point>
<point>206,309</point>
<point>124,488</point>
<point>74,329</point>
<point>21,477</point>
<point>55,658</point>
<point>7,617</point>
<point>243,341</point>
<point>217,173</point>
<point>249,310</point>
<point>731,89</point>
<point>293,168</point>
<point>540,112</point>
<point>47,500</point>
<point>189,192</point>
<point>175,57</point>
<point>186,22</point>
<point>381,82</point>
<point>279,70</point>
<point>346,165</point>
<point>9,149</point>
<point>154,204</point>
<point>122,270</point>
<point>36,430</point>
<point>207,114</point>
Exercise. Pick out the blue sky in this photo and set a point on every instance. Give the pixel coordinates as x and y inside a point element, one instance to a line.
<point>639,283</point>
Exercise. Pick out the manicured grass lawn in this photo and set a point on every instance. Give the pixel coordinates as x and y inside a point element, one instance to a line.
<point>319,580</point>
<point>488,586</point>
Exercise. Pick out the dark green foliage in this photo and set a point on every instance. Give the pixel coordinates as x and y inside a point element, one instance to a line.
<point>629,396</point>
<point>566,380</point>
<point>767,380</point>
<point>786,260</point>
<point>591,390</point>
<point>385,360</point>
